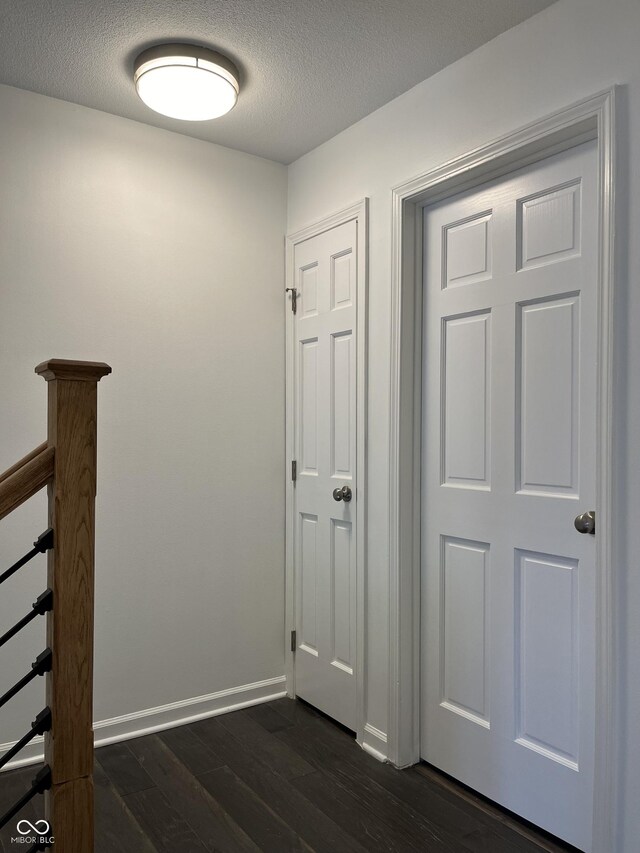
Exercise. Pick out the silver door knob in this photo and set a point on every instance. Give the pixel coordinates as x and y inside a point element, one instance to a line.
<point>586,523</point>
<point>343,494</point>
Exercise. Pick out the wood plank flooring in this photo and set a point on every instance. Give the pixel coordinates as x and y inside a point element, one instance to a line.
<point>277,777</point>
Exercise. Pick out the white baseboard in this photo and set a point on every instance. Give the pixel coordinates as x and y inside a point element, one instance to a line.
<point>374,742</point>
<point>151,720</point>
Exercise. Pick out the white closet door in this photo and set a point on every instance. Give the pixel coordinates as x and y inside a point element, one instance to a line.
<point>509,426</point>
<point>325,547</point>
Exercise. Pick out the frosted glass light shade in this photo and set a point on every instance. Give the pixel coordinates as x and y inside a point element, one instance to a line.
<point>186,81</point>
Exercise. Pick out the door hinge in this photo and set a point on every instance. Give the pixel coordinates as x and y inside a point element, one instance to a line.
<point>294,298</point>
<point>294,470</point>
<point>293,641</point>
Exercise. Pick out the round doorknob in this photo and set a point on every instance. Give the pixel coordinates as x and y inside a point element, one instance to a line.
<point>343,494</point>
<point>586,523</point>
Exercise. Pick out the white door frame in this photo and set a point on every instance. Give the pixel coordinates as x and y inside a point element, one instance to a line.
<point>359,213</point>
<point>592,118</point>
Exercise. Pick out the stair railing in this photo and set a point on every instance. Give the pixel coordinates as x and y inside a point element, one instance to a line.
<point>66,464</point>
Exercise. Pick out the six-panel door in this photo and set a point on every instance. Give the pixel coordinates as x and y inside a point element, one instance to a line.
<point>509,424</point>
<point>325,447</point>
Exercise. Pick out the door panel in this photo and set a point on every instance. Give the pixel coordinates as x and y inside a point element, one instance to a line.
<point>467,251</point>
<point>508,445</point>
<point>547,676</point>
<point>464,617</point>
<point>325,447</point>
<point>342,400</point>
<point>308,412</point>
<point>547,348</point>
<point>341,596</point>
<point>308,583</point>
<point>466,379</point>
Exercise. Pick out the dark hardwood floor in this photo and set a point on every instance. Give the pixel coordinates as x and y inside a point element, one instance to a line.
<point>276,777</point>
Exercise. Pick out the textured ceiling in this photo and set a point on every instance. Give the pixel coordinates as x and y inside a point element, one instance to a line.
<point>309,68</point>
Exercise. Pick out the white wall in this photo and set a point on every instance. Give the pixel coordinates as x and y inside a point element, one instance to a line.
<point>162,256</point>
<point>569,51</point>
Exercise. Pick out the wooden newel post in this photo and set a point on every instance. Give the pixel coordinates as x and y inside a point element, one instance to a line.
<point>72,391</point>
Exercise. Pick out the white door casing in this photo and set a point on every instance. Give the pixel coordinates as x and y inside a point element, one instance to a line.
<point>509,425</point>
<point>590,119</point>
<point>325,437</point>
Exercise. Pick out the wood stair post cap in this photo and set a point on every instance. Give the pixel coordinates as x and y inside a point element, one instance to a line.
<point>65,368</point>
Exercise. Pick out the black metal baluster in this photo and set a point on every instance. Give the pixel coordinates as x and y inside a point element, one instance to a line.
<point>43,543</point>
<point>41,665</point>
<point>41,783</point>
<point>40,725</point>
<point>42,605</point>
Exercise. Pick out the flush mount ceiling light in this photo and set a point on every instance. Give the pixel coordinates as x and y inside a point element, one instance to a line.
<point>186,81</point>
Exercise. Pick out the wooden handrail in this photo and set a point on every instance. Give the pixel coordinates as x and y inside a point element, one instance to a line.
<point>24,461</point>
<point>25,478</point>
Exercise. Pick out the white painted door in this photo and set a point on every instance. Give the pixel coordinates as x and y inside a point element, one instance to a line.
<point>509,426</point>
<point>325,275</point>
